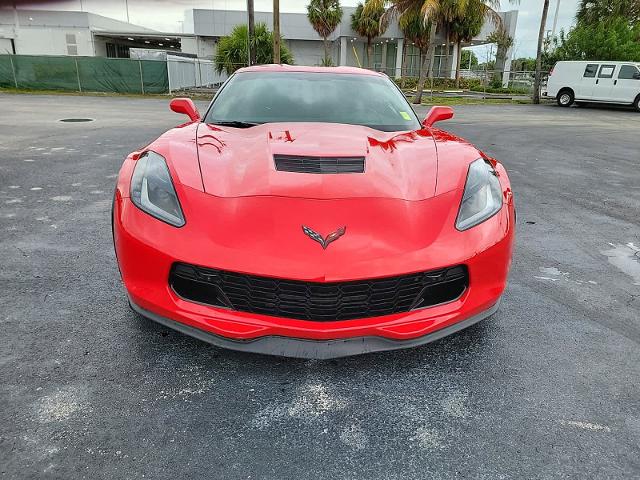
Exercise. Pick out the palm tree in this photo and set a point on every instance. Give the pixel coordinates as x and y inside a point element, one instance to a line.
<point>543,23</point>
<point>465,27</point>
<point>324,16</point>
<point>503,41</point>
<point>438,12</point>
<point>420,33</point>
<point>426,10</point>
<point>445,13</point>
<point>368,22</point>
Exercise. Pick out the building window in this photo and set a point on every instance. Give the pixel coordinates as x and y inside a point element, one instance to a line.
<point>376,61</point>
<point>412,65</point>
<point>440,67</point>
<point>115,50</point>
<point>72,47</point>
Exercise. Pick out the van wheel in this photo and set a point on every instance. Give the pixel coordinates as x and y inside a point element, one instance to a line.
<point>636,103</point>
<point>565,97</point>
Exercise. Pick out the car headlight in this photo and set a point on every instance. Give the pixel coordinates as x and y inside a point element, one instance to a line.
<point>152,189</point>
<point>482,196</point>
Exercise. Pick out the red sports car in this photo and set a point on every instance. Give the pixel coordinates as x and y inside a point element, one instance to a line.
<point>310,213</point>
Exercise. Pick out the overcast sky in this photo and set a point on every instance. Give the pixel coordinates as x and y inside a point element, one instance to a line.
<point>167,15</point>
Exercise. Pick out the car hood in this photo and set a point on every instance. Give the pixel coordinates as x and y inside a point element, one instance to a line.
<point>237,162</point>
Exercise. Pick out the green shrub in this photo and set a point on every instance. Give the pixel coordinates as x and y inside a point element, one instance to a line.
<point>232,52</point>
<point>410,83</point>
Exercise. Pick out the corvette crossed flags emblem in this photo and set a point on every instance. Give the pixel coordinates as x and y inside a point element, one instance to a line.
<point>332,237</point>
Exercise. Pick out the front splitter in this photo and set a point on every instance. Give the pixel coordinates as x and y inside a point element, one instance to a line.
<point>316,349</point>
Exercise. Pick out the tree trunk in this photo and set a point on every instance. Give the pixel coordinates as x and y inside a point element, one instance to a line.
<point>250,34</point>
<point>276,31</point>
<point>405,53</point>
<point>369,53</point>
<point>326,51</point>
<point>501,61</point>
<point>431,50</point>
<point>458,60</point>
<point>543,23</point>
<point>422,77</point>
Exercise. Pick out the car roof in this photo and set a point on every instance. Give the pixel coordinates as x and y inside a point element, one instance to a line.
<point>300,68</point>
<point>611,62</point>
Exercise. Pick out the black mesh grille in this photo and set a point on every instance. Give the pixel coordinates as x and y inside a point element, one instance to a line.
<point>301,164</point>
<point>318,301</point>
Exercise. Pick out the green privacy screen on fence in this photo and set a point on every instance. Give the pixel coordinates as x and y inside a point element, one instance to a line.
<point>90,74</point>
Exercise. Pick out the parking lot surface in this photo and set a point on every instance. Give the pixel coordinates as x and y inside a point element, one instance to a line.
<point>547,388</point>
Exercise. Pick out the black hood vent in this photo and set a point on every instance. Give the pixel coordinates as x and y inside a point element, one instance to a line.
<point>303,164</point>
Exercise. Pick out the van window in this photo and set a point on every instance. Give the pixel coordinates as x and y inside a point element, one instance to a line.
<point>606,71</point>
<point>591,70</point>
<point>627,72</point>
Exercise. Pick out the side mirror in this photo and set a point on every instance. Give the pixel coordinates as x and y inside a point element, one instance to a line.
<point>437,114</point>
<point>636,76</point>
<point>186,106</point>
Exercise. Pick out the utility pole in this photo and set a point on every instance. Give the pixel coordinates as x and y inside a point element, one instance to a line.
<point>555,20</point>
<point>126,5</point>
<point>536,82</point>
<point>251,36</point>
<point>276,31</point>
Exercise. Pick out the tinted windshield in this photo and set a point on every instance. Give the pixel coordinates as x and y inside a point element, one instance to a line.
<point>261,97</point>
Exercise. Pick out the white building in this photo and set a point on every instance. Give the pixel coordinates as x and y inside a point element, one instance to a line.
<point>347,47</point>
<point>50,32</point>
<point>46,32</point>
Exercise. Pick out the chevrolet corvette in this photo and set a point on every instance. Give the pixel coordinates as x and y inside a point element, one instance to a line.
<point>310,213</point>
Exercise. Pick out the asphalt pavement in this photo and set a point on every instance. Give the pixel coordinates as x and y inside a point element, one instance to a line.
<point>546,388</point>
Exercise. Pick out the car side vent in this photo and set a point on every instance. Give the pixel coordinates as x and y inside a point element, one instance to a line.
<point>303,164</point>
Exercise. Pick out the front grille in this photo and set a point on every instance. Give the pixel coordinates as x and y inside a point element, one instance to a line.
<point>302,164</point>
<point>321,302</point>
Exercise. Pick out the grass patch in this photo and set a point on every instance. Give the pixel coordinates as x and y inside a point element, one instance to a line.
<point>452,101</point>
<point>500,90</point>
<point>426,99</point>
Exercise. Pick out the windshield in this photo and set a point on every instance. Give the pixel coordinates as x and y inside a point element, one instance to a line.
<point>249,98</point>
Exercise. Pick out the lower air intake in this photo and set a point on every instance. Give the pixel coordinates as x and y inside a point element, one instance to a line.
<point>320,302</point>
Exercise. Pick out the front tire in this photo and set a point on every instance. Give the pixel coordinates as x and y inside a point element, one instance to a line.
<point>565,97</point>
<point>636,103</point>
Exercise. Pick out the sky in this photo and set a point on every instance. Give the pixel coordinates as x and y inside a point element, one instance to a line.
<point>167,15</point>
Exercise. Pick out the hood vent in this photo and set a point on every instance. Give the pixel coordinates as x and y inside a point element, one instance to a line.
<point>304,164</point>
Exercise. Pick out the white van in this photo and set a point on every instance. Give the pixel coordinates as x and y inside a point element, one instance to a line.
<point>593,81</point>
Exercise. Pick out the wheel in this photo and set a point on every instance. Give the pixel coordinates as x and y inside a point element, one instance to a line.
<point>636,103</point>
<point>565,97</point>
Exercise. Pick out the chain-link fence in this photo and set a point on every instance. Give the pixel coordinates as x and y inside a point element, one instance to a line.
<point>82,74</point>
<point>186,73</point>
<point>175,73</point>
<point>479,81</point>
<point>99,74</point>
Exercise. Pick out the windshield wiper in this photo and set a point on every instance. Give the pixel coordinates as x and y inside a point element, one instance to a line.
<point>236,124</point>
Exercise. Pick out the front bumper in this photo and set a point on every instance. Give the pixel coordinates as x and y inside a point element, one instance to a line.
<point>146,250</point>
<point>316,349</point>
